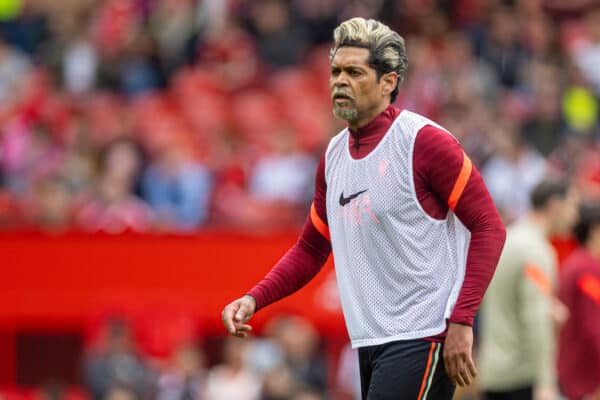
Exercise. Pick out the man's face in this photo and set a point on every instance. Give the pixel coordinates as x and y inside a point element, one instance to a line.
<point>356,93</point>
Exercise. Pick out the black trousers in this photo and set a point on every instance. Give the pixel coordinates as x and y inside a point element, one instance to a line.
<point>404,370</point>
<point>518,394</point>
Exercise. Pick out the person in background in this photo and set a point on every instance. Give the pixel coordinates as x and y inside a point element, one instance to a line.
<point>579,290</point>
<point>517,348</point>
<point>178,187</point>
<point>233,379</point>
<point>113,206</point>
<point>185,378</point>
<point>117,370</point>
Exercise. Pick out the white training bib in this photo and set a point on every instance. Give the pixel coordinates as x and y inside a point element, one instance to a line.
<point>399,271</point>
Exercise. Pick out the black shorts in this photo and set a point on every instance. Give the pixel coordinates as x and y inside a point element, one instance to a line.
<point>404,370</point>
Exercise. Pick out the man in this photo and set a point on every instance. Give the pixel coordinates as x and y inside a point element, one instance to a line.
<point>414,232</point>
<point>517,354</point>
<point>579,344</point>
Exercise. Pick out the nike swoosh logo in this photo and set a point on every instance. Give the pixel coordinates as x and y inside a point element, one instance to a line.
<point>346,200</point>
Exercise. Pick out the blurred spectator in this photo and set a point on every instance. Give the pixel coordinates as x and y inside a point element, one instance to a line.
<point>185,377</point>
<point>579,344</point>
<point>539,38</point>
<point>112,206</point>
<point>230,55</point>
<point>284,174</point>
<point>49,207</point>
<point>280,41</point>
<point>320,17</point>
<point>233,379</point>
<point>264,355</point>
<point>470,80</point>
<point>80,61</point>
<point>512,172</point>
<point>517,352</point>
<point>178,188</point>
<point>14,66</point>
<point>115,370</point>
<point>173,23</point>
<point>279,384</point>
<point>139,68</point>
<point>500,46</point>
<point>424,86</point>
<point>586,51</point>
<point>544,129</point>
<point>300,345</point>
<point>30,154</point>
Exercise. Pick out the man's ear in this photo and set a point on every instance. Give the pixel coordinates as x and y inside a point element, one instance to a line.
<point>389,82</point>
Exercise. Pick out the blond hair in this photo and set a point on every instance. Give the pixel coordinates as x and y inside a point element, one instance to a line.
<point>386,47</point>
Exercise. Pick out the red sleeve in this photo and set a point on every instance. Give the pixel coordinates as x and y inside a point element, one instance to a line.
<point>303,260</point>
<point>445,179</point>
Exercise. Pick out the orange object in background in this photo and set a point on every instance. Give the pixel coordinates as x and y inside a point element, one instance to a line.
<point>169,286</point>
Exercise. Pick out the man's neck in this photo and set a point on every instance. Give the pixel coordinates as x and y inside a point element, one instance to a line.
<point>359,123</point>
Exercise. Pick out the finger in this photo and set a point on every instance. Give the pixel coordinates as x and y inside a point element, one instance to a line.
<point>471,367</point>
<point>240,334</point>
<point>464,374</point>
<point>242,313</point>
<point>227,316</point>
<point>243,328</point>
<point>449,364</point>
<point>454,371</point>
<point>458,379</point>
<point>463,370</point>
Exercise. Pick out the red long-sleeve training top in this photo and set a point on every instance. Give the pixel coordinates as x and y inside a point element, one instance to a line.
<point>443,179</point>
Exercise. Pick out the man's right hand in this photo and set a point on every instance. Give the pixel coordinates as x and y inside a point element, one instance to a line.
<point>237,313</point>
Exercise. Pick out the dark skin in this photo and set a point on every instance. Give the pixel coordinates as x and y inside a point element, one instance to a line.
<point>358,97</point>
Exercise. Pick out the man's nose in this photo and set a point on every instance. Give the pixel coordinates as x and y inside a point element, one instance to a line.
<point>340,80</point>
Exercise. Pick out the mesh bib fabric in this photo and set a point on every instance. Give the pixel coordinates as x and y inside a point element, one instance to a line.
<point>399,271</point>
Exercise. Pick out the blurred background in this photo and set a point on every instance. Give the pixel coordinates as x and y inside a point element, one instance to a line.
<point>158,156</point>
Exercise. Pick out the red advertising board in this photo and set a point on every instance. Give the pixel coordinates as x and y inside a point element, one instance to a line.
<point>52,282</point>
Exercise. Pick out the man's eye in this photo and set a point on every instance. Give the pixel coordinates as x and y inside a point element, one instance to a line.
<point>355,72</point>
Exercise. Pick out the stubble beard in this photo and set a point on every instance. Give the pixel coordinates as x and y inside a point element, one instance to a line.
<point>345,113</point>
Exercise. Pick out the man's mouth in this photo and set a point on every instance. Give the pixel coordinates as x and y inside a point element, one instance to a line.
<point>343,96</point>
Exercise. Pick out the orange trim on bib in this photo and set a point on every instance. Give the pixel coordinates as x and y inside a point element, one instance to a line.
<point>539,278</point>
<point>461,182</point>
<point>590,286</point>
<point>318,223</point>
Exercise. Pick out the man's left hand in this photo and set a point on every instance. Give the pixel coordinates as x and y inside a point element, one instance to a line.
<point>458,358</point>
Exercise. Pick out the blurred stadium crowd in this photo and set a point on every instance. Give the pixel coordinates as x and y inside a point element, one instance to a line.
<point>174,115</point>
<point>285,363</point>
<point>179,115</point>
